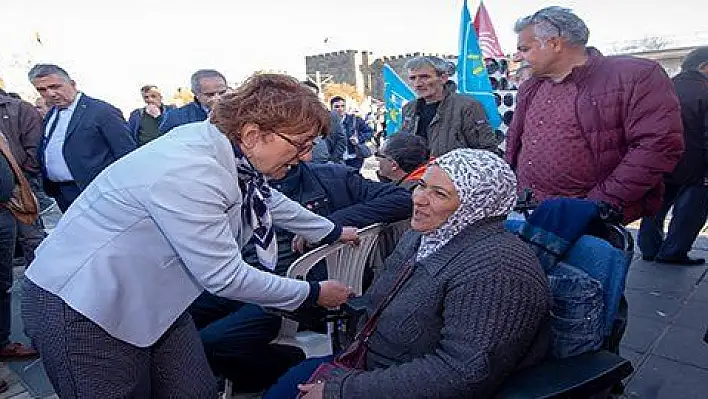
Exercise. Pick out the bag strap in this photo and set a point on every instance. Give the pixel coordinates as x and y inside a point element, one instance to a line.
<point>368,328</point>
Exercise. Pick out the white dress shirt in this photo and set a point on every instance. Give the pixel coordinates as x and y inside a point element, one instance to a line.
<point>54,162</point>
<point>157,227</point>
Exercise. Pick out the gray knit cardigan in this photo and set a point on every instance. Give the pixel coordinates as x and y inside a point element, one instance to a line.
<point>467,317</point>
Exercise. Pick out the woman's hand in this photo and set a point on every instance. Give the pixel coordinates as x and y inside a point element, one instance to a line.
<point>312,391</point>
<point>298,245</point>
<point>333,294</point>
<point>349,235</point>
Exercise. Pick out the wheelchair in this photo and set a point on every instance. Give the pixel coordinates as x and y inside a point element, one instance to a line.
<point>596,374</point>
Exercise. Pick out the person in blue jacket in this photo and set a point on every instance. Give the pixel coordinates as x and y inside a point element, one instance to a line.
<point>358,133</point>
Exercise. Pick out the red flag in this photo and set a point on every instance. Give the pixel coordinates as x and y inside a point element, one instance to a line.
<point>488,42</point>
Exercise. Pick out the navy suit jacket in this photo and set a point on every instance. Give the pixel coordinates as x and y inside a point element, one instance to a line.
<point>97,135</point>
<point>190,113</point>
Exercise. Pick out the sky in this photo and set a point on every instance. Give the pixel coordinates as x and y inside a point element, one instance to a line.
<point>112,48</point>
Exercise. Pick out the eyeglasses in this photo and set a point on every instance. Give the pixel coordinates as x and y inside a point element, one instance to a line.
<point>539,16</point>
<point>302,148</point>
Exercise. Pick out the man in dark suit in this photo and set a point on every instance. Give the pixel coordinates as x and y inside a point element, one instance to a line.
<point>82,135</point>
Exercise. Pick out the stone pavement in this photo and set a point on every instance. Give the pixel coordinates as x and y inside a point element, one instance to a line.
<point>668,315</point>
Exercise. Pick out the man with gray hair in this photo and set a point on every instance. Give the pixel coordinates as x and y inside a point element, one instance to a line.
<point>589,126</point>
<point>208,85</point>
<point>447,120</point>
<point>82,135</point>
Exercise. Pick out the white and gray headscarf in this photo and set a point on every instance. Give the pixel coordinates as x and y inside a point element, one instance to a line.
<point>486,187</point>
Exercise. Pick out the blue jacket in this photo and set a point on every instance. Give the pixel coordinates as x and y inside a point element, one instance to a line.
<point>192,112</point>
<point>340,194</point>
<point>96,137</point>
<point>136,116</point>
<point>586,274</point>
<point>355,125</point>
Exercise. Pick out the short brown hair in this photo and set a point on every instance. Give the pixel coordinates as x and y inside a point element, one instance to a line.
<point>274,102</point>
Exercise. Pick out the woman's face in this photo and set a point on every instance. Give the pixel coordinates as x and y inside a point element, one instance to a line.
<point>434,200</point>
<point>273,153</point>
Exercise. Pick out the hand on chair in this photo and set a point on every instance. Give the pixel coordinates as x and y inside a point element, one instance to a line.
<point>349,235</point>
<point>312,391</point>
<point>298,245</point>
<point>333,294</point>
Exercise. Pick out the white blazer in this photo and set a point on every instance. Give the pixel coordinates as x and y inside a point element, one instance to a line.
<point>157,227</point>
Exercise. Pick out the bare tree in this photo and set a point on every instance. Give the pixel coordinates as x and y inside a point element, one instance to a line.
<point>647,43</point>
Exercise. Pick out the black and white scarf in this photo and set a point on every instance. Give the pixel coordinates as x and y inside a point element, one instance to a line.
<point>255,212</point>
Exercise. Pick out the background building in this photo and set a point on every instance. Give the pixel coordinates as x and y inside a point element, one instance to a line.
<point>364,72</point>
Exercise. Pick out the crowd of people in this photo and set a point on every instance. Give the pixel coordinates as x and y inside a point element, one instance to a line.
<point>179,224</point>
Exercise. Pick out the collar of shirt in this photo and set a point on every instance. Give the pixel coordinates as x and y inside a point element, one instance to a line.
<point>72,106</point>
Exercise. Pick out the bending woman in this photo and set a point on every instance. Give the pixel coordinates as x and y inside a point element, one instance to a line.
<point>104,301</point>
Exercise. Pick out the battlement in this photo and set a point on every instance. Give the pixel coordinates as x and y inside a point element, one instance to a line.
<point>387,58</point>
<point>338,54</point>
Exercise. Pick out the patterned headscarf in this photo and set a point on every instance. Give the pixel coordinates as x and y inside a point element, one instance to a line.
<point>486,187</point>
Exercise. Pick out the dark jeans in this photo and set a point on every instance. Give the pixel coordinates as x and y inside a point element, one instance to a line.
<point>690,205</point>
<point>355,163</point>
<point>35,182</point>
<point>236,338</point>
<point>8,234</point>
<point>29,236</point>
<point>286,387</point>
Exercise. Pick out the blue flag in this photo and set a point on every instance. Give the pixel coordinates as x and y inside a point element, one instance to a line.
<point>396,94</point>
<point>472,78</point>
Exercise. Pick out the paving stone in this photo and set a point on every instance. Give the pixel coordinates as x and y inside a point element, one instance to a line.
<point>693,314</point>
<point>652,305</point>
<point>642,332</point>
<point>661,378</point>
<point>684,345</point>
<point>668,279</point>
<point>15,386</point>
<point>634,356</point>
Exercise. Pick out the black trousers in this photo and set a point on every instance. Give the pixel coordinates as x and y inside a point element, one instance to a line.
<point>690,204</point>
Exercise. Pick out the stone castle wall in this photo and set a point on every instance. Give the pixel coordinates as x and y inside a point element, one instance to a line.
<point>348,66</point>
<point>361,70</point>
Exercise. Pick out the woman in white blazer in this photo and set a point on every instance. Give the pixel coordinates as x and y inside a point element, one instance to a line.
<point>104,301</point>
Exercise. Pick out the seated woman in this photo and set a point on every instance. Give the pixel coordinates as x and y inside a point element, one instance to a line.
<point>471,305</point>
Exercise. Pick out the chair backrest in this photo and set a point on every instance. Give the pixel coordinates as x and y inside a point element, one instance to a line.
<point>345,263</point>
<point>388,239</point>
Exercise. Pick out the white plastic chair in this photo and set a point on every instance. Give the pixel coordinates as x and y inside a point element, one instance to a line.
<point>388,239</point>
<point>346,264</point>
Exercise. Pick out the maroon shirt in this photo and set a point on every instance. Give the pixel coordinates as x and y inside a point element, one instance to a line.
<point>555,159</point>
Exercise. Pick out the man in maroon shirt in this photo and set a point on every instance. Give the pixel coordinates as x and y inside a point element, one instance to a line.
<point>589,126</point>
